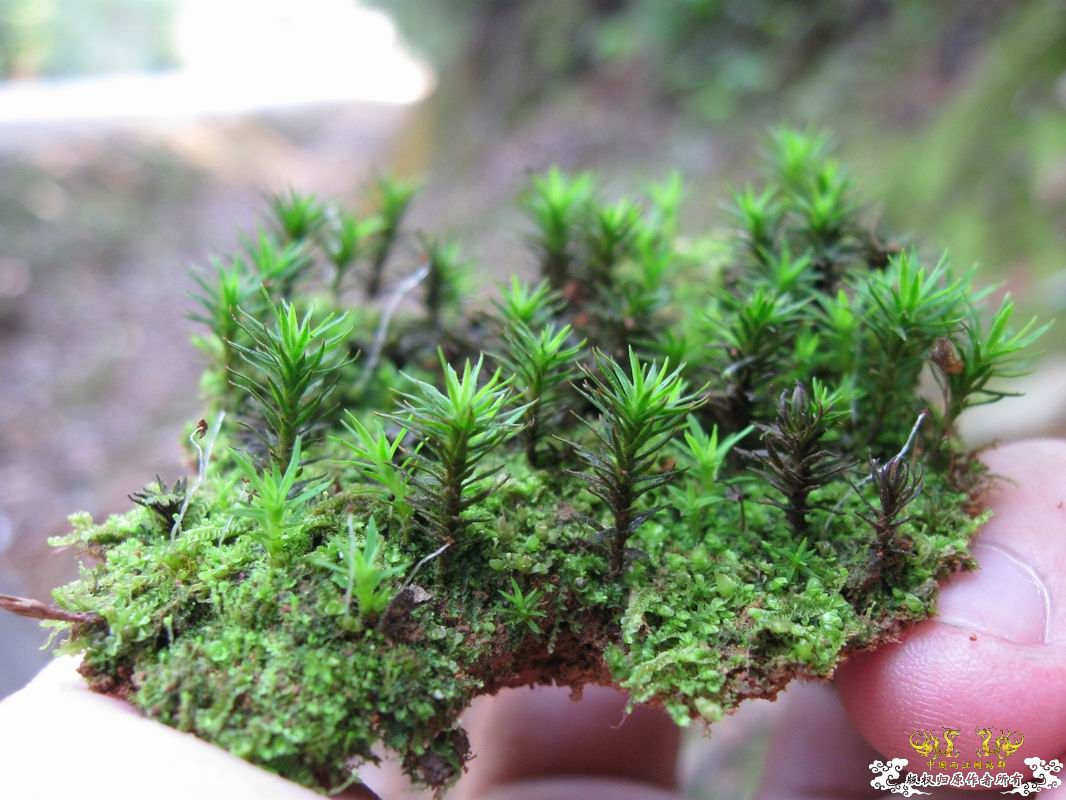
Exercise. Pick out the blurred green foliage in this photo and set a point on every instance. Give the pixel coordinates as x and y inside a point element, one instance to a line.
<point>954,109</point>
<point>986,170</point>
<point>710,56</point>
<point>73,37</point>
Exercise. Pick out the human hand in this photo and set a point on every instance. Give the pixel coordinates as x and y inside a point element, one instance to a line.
<point>995,656</point>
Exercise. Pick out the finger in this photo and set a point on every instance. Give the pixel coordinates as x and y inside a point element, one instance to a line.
<point>522,735</point>
<point>995,656</point>
<point>584,788</point>
<point>815,753</point>
<point>58,739</point>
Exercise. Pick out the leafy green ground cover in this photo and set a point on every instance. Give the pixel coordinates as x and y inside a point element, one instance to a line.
<point>695,467</point>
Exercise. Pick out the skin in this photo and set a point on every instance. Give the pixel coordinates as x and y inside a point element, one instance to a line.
<point>995,656</point>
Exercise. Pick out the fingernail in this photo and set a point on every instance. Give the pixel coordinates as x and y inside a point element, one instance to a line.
<point>1004,597</point>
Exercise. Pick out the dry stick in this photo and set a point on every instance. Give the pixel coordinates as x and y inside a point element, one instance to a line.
<point>351,564</point>
<point>922,416</point>
<point>391,305</point>
<point>35,609</point>
<point>422,563</point>
<point>204,456</point>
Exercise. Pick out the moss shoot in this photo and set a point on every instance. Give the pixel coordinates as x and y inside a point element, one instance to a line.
<point>691,466</point>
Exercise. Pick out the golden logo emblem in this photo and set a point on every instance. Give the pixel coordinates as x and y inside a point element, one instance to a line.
<point>942,752</point>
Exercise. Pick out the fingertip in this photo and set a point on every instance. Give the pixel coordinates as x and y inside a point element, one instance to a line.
<point>101,741</point>
<point>804,765</point>
<point>584,788</point>
<point>943,676</point>
<point>523,734</point>
<point>995,656</point>
<point>1027,460</point>
<point>59,673</point>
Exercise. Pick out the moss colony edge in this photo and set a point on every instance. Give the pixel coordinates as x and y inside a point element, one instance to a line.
<point>691,467</point>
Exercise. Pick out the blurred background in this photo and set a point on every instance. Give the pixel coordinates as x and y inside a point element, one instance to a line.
<point>139,137</point>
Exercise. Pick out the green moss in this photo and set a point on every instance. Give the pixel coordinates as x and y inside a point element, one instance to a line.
<point>691,573</point>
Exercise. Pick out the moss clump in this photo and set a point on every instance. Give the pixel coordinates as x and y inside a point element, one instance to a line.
<point>695,468</point>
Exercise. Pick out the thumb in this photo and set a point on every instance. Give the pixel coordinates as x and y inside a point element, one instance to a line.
<point>995,656</point>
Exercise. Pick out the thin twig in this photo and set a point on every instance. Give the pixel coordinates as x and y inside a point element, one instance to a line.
<point>906,445</point>
<point>204,456</point>
<point>922,416</point>
<point>351,564</point>
<point>422,563</point>
<point>35,609</point>
<point>387,313</point>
